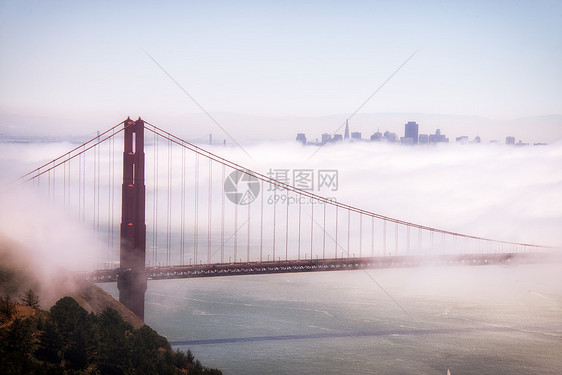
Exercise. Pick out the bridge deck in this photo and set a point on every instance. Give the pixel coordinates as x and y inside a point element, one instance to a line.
<point>313,265</point>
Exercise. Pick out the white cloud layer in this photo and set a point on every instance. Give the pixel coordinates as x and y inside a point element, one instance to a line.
<point>494,191</point>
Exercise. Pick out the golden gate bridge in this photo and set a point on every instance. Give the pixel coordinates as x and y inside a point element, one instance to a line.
<point>183,211</point>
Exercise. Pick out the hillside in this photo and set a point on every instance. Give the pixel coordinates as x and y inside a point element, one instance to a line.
<point>20,270</point>
<point>84,331</point>
<point>69,340</point>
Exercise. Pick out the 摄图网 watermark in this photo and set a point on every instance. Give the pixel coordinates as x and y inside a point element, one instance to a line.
<point>305,179</point>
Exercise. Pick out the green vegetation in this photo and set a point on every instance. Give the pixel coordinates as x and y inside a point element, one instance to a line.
<point>68,340</point>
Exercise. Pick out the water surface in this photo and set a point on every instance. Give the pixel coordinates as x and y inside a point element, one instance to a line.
<point>473,320</point>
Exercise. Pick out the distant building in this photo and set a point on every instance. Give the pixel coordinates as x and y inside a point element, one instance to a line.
<point>437,137</point>
<point>377,136</point>
<point>326,137</point>
<point>462,139</point>
<point>390,137</point>
<point>406,141</point>
<point>411,131</point>
<point>346,130</point>
<point>520,143</point>
<point>423,139</point>
<point>337,138</point>
<point>477,139</point>
<point>509,140</point>
<point>356,136</point>
<point>301,137</point>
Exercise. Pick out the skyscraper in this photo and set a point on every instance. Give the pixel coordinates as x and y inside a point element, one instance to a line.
<point>411,131</point>
<point>346,136</point>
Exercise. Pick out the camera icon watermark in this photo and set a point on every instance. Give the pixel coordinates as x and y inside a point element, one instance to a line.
<point>241,188</point>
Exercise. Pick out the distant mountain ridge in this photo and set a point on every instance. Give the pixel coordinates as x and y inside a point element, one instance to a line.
<point>248,128</point>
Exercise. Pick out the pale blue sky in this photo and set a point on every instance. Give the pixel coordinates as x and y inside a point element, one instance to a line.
<point>68,60</point>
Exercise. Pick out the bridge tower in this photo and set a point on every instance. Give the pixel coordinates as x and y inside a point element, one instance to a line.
<point>132,277</point>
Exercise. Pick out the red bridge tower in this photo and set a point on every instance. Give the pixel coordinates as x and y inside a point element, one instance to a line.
<point>132,278</point>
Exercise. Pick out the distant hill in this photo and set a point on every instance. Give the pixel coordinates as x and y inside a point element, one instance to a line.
<point>248,128</point>
<point>85,331</point>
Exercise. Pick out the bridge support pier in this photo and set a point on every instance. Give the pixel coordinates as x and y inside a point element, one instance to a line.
<point>132,277</point>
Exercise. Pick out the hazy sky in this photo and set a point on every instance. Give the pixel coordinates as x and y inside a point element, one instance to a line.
<point>67,60</point>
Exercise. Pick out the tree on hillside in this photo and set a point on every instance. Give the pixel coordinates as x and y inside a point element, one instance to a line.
<point>7,307</point>
<point>68,340</point>
<point>114,344</point>
<point>73,333</point>
<point>30,298</point>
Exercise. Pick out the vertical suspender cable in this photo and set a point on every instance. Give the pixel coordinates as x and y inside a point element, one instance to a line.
<point>109,189</point>
<point>69,180</point>
<point>324,233</point>
<point>336,235</point>
<point>348,231</point>
<point>384,237</point>
<point>287,227</point>
<point>300,219</point>
<point>156,189</point>
<point>64,202</point>
<point>235,252</point>
<point>396,239</point>
<point>54,182</point>
<point>112,187</point>
<point>372,236</point>
<point>222,213</point>
<point>210,210</point>
<point>274,223</point>
<point>79,186</point>
<point>431,249</point>
<point>453,248</point>
<point>360,235</point>
<point>94,181</point>
<point>419,241</point>
<point>311,228</point>
<point>196,210</point>
<point>182,211</point>
<point>98,148</point>
<point>169,206</point>
<point>84,187</point>
<point>49,184</point>
<point>408,240</point>
<point>249,226</point>
<point>94,199</point>
<point>261,221</point>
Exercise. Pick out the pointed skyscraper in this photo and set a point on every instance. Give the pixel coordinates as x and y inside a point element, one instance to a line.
<point>346,136</point>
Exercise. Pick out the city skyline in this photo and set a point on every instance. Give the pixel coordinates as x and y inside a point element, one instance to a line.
<point>412,136</point>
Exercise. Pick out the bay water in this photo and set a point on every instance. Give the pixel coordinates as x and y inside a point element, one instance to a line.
<point>471,320</point>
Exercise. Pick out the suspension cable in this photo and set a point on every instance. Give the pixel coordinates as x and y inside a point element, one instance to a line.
<point>313,196</point>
